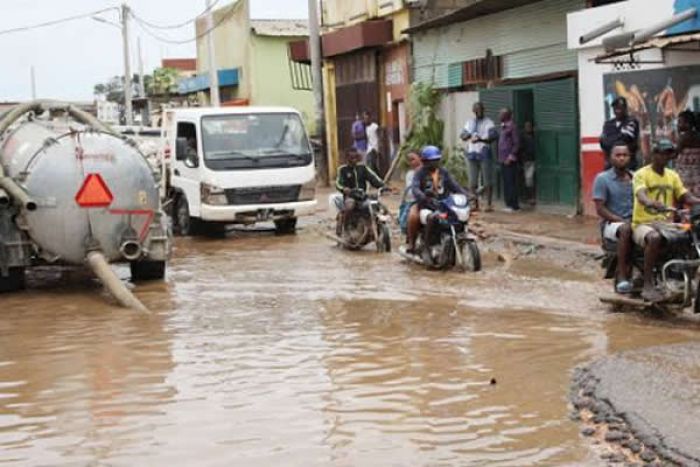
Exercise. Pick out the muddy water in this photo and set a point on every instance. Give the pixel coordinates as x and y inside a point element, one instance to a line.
<point>269,351</point>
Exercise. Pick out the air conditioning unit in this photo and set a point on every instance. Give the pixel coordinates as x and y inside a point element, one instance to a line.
<point>416,3</point>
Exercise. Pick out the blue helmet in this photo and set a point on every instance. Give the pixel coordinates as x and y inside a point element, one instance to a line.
<point>430,153</point>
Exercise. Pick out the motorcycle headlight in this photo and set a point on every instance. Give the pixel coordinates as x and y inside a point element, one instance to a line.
<point>308,191</point>
<point>213,195</point>
<point>459,200</point>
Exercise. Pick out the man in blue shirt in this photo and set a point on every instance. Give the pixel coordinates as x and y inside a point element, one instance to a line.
<point>613,197</point>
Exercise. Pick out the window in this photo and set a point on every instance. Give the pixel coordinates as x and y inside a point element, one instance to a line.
<point>189,131</point>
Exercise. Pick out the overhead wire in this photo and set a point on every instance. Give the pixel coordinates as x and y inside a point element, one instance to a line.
<point>179,25</point>
<point>56,21</point>
<point>168,40</point>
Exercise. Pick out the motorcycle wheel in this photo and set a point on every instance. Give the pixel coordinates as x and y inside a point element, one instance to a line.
<point>471,257</point>
<point>696,302</point>
<point>446,259</point>
<point>384,240</point>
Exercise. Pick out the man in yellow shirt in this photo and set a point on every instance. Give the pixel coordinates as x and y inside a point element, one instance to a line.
<point>656,190</point>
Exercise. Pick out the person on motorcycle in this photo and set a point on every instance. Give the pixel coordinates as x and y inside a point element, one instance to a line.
<point>352,176</point>
<point>657,190</point>
<point>612,194</point>
<point>431,184</point>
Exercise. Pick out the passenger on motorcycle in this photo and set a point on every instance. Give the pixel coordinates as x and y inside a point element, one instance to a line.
<point>657,190</point>
<point>612,194</point>
<point>352,176</point>
<point>431,184</point>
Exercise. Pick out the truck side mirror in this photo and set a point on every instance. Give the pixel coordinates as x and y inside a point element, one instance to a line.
<point>181,149</point>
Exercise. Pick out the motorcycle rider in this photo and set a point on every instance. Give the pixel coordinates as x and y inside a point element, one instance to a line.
<point>352,176</point>
<point>431,183</point>
<point>656,190</point>
<point>612,194</point>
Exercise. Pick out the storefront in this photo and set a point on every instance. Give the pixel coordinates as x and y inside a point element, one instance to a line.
<point>650,56</point>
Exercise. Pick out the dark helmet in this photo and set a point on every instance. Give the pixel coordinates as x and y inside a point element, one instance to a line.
<point>430,153</point>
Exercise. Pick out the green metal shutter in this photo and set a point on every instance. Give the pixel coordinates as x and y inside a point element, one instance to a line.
<point>556,133</point>
<point>494,100</point>
<point>454,75</point>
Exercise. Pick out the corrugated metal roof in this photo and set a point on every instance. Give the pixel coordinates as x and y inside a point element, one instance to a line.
<point>653,43</point>
<point>280,27</point>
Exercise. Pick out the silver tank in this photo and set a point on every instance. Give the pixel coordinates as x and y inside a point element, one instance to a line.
<point>52,160</point>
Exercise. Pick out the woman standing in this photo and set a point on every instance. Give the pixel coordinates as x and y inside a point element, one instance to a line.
<point>687,163</point>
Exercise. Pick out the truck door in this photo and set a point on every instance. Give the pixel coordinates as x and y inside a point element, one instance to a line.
<point>187,167</point>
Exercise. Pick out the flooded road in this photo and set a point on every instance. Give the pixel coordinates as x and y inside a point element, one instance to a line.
<point>273,351</point>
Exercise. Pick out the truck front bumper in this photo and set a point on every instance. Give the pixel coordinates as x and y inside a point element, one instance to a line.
<point>251,213</point>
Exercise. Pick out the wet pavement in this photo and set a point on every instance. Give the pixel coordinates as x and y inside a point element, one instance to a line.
<point>267,350</point>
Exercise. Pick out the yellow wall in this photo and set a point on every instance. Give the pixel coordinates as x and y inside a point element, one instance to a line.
<point>331,118</point>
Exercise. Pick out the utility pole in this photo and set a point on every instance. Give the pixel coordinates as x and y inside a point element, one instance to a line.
<point>142,85</point>
<point>215,101</point>
<point>146,106</point>
<point>317,78</point>
<point>32,75</point>
<point>128,110</point>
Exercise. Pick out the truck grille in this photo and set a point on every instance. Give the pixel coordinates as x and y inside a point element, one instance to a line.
<point>263,195</point>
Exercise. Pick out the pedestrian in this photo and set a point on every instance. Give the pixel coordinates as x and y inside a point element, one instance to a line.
<point>479,132</point>
<point>359,135</point>
<point>527,148</point>
<point>372,133</point>
<point>415,163</point>
<point>688,162</point>
<point>508,149</point>
<point>621,127</point>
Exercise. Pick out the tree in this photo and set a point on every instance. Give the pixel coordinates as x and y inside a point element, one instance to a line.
<point>113,90</point>
<point>163,82</point>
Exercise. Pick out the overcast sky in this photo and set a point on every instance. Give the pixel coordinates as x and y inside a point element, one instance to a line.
<point>70,58</point>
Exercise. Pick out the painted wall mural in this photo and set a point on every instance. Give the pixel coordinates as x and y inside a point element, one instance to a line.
<point>655,98</point>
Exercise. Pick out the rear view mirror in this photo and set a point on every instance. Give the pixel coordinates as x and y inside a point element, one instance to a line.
<point>181,149</point>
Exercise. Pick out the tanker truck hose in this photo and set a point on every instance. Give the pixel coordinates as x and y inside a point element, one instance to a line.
<point>81,116</point>
<point>9,187</point>
<point>99,265</point>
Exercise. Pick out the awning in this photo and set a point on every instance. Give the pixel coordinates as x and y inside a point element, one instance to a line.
<point>682,40</point>
<point>477,9</point>
<point>227,77</point>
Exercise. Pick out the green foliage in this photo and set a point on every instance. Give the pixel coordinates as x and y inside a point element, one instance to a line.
<point>455,163</point>
<point>426,127</point>
<point>164,82</point>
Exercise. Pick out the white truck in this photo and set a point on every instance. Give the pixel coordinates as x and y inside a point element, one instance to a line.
<point>236,165</point>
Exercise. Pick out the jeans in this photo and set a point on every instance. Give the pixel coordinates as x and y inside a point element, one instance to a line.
<point>510,185</point>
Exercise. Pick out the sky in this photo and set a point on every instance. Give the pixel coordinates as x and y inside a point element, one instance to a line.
<point>70,58</point>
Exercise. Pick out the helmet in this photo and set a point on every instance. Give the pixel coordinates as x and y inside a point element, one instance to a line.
<point>430,153</point>
<point>663,146</point>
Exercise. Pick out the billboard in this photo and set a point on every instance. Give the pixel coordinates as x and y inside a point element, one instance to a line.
<point>655,98</point>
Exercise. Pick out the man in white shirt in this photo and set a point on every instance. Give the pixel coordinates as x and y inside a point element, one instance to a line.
<point>479,133</point>
<point>372,130</point>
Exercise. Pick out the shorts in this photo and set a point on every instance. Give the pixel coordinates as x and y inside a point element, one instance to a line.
<point>478,167</point>
<point>424,214</point>
<point>610,230</point>
<point>336,201</point>
<point>640,233</point>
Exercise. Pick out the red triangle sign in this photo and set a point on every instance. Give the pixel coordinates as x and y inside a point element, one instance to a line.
<point>94,193</point>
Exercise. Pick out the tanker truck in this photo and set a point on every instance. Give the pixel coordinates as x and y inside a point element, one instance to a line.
<point>73,192</point>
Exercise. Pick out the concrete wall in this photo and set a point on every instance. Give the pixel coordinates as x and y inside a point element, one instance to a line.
<point>455,110</point>
<point>272,83</point>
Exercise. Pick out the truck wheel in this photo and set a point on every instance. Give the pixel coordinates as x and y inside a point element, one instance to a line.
<point>286,226</point>
<point>147,270</point>
<point>184,224</point>
<point>13,282</point>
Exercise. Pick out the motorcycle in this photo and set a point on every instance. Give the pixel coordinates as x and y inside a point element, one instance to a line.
<point>366,220</point>
<point>675,272</point>
<point>450,243</point>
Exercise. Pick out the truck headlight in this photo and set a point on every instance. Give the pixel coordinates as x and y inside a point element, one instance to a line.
<point>308,191</point>
<point>212,195</point>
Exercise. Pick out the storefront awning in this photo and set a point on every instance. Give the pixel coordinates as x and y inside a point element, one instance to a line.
<point>687,42</point>
<point>227,77</point>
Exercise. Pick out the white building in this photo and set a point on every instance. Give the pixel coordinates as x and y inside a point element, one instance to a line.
<point>107,111</point>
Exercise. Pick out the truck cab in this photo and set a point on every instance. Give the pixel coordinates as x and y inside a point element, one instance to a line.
<point>237,165</point>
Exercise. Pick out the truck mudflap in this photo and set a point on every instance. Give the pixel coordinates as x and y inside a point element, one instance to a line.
<point>15,246</point>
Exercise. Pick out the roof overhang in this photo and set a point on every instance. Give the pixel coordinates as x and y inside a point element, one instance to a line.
<point>373,33</point>
<point>685,42</point>
<point>476,10</point>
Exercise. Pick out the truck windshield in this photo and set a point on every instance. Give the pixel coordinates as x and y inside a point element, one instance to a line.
<point>245,141</point>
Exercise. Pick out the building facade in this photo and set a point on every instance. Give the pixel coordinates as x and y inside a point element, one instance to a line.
<point>510,53</point>
<point>251,59</point>
<point>647,54</point>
